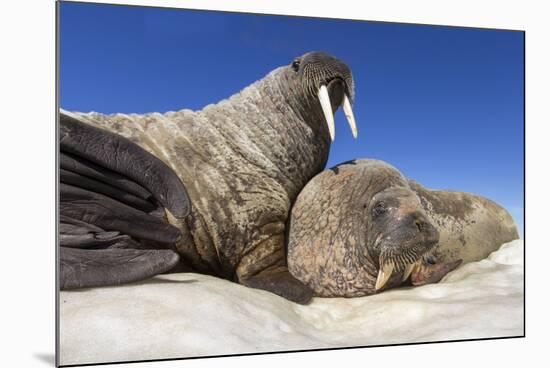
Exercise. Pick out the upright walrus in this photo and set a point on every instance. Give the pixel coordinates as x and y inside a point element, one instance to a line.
<point>242,162</point>
<point>362,227</point>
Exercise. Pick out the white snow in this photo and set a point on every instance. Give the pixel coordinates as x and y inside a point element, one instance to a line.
<point>184,315</point>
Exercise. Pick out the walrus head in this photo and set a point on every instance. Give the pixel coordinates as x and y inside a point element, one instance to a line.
<point>315,85</point>
<point>356,229</point>
<point>399,233</point>
<point>325,79</point>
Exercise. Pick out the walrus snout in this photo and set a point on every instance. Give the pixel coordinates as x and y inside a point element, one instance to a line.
<point>411,236</point>
<point>426,229</point>
<point>319,68</point>
<point>412,228</point>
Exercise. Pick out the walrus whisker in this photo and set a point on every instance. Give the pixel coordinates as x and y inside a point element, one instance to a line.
<point>408,261</point>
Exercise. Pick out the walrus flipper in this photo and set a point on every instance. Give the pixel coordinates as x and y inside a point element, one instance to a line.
<point>74,233</point>
<point>115,153</point>
<point>279,281</point>
<point>113,197</point>
<point>123,196</point>
<point>91,256</point>
<point>112,215</point>
<point>432,273</point>
<point>88,268</point>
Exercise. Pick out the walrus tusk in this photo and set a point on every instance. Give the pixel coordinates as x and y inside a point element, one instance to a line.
<point>383,275</point>
<point>409,269</point>
<point>324,99</point>
<point>349,116</point>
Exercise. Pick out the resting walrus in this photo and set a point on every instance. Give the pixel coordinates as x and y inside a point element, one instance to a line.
<point>242,162</point>
<point>361,227</point>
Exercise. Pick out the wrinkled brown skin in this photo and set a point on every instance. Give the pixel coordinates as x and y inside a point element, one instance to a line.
<point>243,161</point>
<point>337,243</point>
<point>470,226</point>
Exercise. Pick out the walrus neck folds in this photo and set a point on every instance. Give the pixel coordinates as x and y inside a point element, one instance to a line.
<point>270,121</point>
<point>265,144</point>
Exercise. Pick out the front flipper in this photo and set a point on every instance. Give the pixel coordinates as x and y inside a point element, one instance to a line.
<point>87,168</point>
<point>88,268</point>
<point>279,281</point>
<point>109,214</point>
<point>428,273</point>
<point>80,181</point>
<point>74,233</point>
<point>123,157</point>
<point>265,268</point>
<point>114,198</point>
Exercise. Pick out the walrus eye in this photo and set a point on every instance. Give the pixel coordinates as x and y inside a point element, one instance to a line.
<point>379,209</point>
<point>296,64</point>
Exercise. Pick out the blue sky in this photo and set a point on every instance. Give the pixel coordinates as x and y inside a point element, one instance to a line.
<point>442,104</point>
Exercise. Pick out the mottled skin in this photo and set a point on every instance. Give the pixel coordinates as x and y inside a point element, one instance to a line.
<point>470,226</point>
<point>243,161</point>
<point>350,220</point>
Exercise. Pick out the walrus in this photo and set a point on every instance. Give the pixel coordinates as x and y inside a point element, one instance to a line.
<point>361,227</point>
<point>208,191</point>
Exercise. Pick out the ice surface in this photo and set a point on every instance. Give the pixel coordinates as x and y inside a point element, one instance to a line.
<point>182,315</point>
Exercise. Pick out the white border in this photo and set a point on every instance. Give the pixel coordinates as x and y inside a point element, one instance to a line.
<point>27,180</point>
